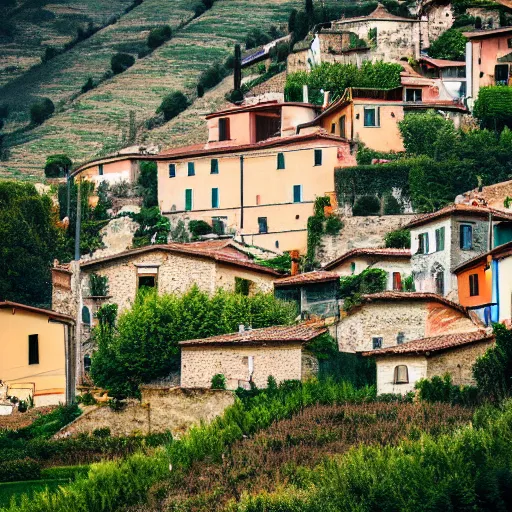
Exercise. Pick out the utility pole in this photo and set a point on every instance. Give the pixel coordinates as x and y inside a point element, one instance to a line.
<point>78,220</point>
<point>68,194</point>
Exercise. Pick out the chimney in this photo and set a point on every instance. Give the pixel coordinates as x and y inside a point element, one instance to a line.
<point>295,262</point>
<point>327,95</point>
<point>305,96</point>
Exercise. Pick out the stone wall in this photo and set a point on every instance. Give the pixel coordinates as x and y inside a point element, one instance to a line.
<point>440,18</point>
<point>493,195</point>
<point>358,232</point>
<point>297,61</point>
<point>200,364</point>
<point>416,369</point>
<point>160,409</point>
<point>490,17</point>
<point>273,85</point>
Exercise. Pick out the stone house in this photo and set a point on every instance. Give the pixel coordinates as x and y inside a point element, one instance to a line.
<point>485,285</point>
<point>389,319</point>
<point>396,262</point>
<point>445,239</point>
<point>248,356</point>
<point>400,367</point>
<point>37,360</point>
<point>171,268</point>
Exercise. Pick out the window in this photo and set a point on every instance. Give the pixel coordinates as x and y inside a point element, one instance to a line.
<point>423,243</point>
<point>33,349</point>
<point>400,338</point>
<point>280,160</point>
<point>191,169</point>
<point>100,169</point>
<point>87,363</point>
<point>219,225</point>
<point>353,267</point>
<point>242,286</point>
<point>262,224</point>
<point>147,281</point>
<point>188,199</point>
<point>297,193</point>
<point>466,237</point>
<point>440,239</point>
<point>318,157</point>
<point>397,281</point>
<point>172,170</point>
<point>86,316</point>
<point>372,117</point>
<point>440,283</point>
<point>224,129</point>
<point>401,374</point>
<point>215,197</point>
<point>333,128</point>
<point>473,285</point>
<point>501,74</point>
<point>267,127</point>
<point>372,35</point>
<point>413,95</point>
<point>343,122</point>
<point>377,342</point>
<point>214,169</point>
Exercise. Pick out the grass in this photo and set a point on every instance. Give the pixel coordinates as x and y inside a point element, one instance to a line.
<point>15,490</point>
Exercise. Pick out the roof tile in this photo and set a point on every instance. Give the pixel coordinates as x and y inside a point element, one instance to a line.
<point>368,251</point>
<point>309,277</point>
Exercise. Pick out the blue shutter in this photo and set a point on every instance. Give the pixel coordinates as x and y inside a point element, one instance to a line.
<point>297,193</point>
<point>318,157</point>
<point>215,197</point>
<point>191,169</point>
<point>214,166</point>
<point>280,160</point>
<point>172,170</point>
<point>466,237</point>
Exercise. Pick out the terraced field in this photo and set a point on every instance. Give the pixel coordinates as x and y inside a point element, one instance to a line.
<point>39,24</point>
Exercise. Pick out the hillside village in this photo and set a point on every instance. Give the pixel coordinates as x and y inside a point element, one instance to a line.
<point>325,223</point>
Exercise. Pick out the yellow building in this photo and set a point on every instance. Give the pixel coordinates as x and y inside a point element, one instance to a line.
<point>37,356</point>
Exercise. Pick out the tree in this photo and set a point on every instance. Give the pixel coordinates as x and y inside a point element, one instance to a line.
<point>256,37</point>
<point>144,346</point>
<point>29,239</point>
<point>89,84</point>
<point>493,108</point>
<point>41,110</point>
<point>398,239</point>
<point>450,45</point>
<point>292,19</point>
<point>148,183</point>
<point>172,105</point>
<point>237,68</point>
<point>366,205</point>
<point>309,7</point>
<point>121,62</point>
<point>158,36</point>
<point>57,166</point>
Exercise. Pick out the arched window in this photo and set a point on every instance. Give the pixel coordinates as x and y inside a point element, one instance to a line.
<point>87,363</point>
<point>401,374</point>
<point>86,315</point>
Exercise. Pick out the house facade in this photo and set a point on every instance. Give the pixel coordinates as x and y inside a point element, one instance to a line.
<point>445,239</point>
<point>400,367</point>
<point>389,319</point>
<point>37,354</point>
<point>247,356</point>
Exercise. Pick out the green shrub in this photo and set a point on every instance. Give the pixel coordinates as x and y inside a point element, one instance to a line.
<point>148,184</point>
<point>86,399</point>
<point>49,53</point>
<point>398,239</point>
<point>22,406</point>
<point>199,228</point>
<point>172,105</point>
<point>450,45</point>
<point>219,381</point>
<point>441,389</point>
<point>121,62</point>
<point>101,433</point>
<point>370,280</point>
<point>256,37</point>
<point>88,86</point>
<point>392,206</point>
<point>493,108</point>
<point>158,36</point>
<point>98,285</point>
<point>41,111</point>
<point>212,76</point>
<point>17,470</point>
<point>281,263</point>
<point>365,206</point>
<point>153,227</point>
<point>333,225</point>
<point>408,284</point>
<point>57,166</point>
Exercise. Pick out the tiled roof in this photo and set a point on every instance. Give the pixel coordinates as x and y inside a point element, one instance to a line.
<point>441,63</point>
<point>7,304</point>
<point>221,251</point>
<point>204,149</point>
<point>380,13</point>
<point>259,106</point>
<point>278,334</point>
<point>369,251</point>
<point>466,209</point>
<point>501,250</point>
<point>480,34</point>
<point>309,277</point>
<point>434,344</point>
<point>413,296</point>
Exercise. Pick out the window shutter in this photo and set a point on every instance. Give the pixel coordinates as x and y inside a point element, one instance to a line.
<point>100,169</point>
<point>318,157</point>
<point>426,243</point>
<point>214,166</point>
<point>188,199</point>
<point>377,115</point>
<point>280,160</point>
<point>377,342</point>
<point>397,281</point>
<point>297,193</point>
<point>33,349</point>
<point>215,197</point>
<point>224,129</point>
<point>262,224</point>
<point>172,170</point>
<point>191,169</point>
<point>466,237</point>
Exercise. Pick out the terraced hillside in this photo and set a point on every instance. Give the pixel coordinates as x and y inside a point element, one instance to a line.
<point>32,25</point>
<point>96,120</point>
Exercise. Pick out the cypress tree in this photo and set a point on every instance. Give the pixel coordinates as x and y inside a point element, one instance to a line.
<point>237,68</point>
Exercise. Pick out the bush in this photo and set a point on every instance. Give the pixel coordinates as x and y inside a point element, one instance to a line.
<point>199,228</point>
<point>158,36</point>
<point>49,53</point>
<point>86,399</point>
<point>398,239</point>
<point>370,280</point>
<point>493,108</point>
<point>121,189</point>
<point>172,105</point>
<point>450,45</point>
<point>88,86</point>
<point>219,381</point>
<point>18,470</point>
<point>41,110</point>
<point>153,227</point>
<point>256,37</point>
<point>441,389</point>
<point>148,184</point>
<point>212,76</point>
<point>57,166</point>
<point>121,62</point>
<point>101,433</point>
<point>333,225</point>
<point>98,285</point>
<point>366,205</point>
<point>392,206</point>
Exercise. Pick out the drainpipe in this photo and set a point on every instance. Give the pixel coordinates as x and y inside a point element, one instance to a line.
<point>241,192</point>
<point>76,271</point>
<point>490,233</point>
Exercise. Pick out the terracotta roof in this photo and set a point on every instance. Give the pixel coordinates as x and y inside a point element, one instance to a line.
<point>501,250</point>
<point>368,251</point>
<point>380,13</point>
<point>481,34</point>
<point>219,251</point>
<point>264,105</point>
<point>205,149</point>
<point>413,296</point>
<point>433,344</point>
<point>7,304</point>
<point>278,334</point>
<point>441,63</point>
<point>309,277</point>
<point>479,211</point>
<point>112,158</point>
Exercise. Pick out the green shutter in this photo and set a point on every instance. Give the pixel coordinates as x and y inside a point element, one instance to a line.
<point>215,197</point>
<point>191,169</point>
<point>280,160</point>
<point>214,166</point>
<point>318,157</point>
<point>188,199</point>
<point>297,193</point>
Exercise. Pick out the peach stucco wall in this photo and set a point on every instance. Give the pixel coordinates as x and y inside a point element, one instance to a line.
<point>239,129</point>
<point>121,170</point>
<point>47,379</point>
<point>484,286</point>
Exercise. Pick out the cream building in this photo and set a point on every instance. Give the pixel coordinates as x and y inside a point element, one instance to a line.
<point>400,367</point>
<point>247,356</point>
<point>37,354</point>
